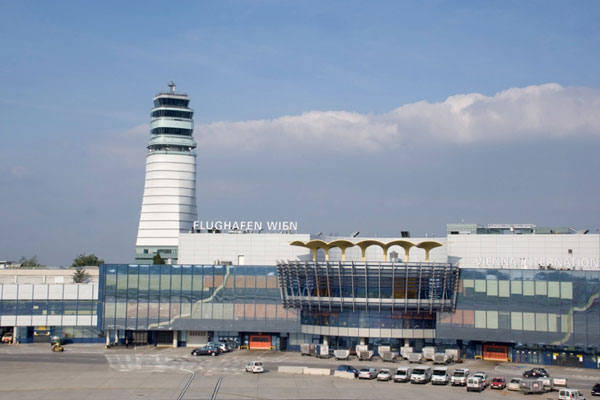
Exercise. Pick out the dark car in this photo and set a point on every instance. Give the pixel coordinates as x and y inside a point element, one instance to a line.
<point>498,382</point>
<point>205,351</point>
<point>596,390</point>
<point>536,373</point>
<point>347,368</point>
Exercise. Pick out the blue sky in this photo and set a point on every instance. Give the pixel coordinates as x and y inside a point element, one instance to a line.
<point>344,116</point>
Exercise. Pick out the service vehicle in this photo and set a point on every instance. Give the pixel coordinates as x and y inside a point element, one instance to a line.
<point>459,377</point>
<point>415,357</point>
<point>560,383</point>
<point>341,354</point>
<point>536,373</point>
<point>596,390</point>
<point>205,351</point>
<point>498,382</point>
<point>347,368</point>
<point>367,373</point>
<point>255,367</point>
<point>475,384</point>
<point>440,376</point>
<point>484,377</point>
<point>429,353</point>
<point>441,358</point>
<point>514,384</point>
<point>420,375</point>
<point>570,394</point>
<point>402,374</point>
<point>384,375</point>
<point>532,386</point>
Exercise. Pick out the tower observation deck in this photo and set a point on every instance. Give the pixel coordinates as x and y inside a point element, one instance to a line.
<point>169,202</point>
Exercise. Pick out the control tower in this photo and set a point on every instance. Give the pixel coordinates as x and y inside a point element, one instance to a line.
<point>169,203</point>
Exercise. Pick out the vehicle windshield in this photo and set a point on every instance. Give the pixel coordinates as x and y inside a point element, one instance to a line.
<point>497,380</point>
<point>515,380</point>
<point>401,372</point>
<point>459,374</point>
<point>439,373</point>
<point>258,364</point>
<point>418,371</point>
<point>384,371</point>
<point>364,370</point>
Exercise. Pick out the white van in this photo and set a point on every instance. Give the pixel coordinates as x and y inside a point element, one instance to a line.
<point>402,374</point>
<point>255,367</point>
<point>420,375</point>
<point>570,394</point>
<point>459,377</point>
<point>475,384</point>
<point>440,376</point>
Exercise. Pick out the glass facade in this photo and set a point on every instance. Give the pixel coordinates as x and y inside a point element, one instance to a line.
<point>193,297</point>
<point>541,307</point>
<point>384,319</point>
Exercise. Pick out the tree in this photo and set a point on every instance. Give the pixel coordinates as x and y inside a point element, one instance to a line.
<point>83,260</point>
<point>30,262</point>
<point>157,259</point>
<point>80,275</point>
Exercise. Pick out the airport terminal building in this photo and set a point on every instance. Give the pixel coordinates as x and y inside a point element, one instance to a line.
<point>508,292</point>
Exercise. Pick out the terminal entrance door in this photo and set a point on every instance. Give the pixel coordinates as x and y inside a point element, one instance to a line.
<point>259,342</point>
<point>495,352</point>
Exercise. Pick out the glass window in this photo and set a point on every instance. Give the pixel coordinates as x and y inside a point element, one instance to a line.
<point>480,319</point>
<point>541,322</point>
<point>528,321</point>
<point>504,288</point>
<point>564,323</point>
<point>541,288</point>
<point>552,322</point>
<point>492,287</point>
<point>566,290</point>
<point>480,286</point>
<point>554,289</point>
<point>528,288</point>
<point>516,287</point>
<point>492,319</point>
<point>516,320</point>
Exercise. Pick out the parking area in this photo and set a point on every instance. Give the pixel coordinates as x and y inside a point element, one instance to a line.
<point>92,372</point>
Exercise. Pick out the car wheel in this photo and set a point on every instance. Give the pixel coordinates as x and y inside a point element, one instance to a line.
<point>213,354</point>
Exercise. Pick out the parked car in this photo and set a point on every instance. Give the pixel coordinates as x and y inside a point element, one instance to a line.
<point>7,337</point>
<point>224,348</point>
<point>485,379</point>
<point>514,384</point>
<point>384,375</point>
<point>596,390</point>
<point>536,373</point>
<point>255,367</point>
<point>498,382</point>
<point>402,374</point>
<point>475,384</point>
<point>367,373</point>
<point>570,394</point>
<point>205,351</point>
<point>347,368</point>
<point>459,377</point>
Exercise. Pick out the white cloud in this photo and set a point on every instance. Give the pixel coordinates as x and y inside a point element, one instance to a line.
<point>530,113</point>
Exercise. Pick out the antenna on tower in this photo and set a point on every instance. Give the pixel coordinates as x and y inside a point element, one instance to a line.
<point>172,86</point>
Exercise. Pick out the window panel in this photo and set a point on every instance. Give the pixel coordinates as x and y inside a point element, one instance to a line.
<point>552,322</point>
<point>480,286</point>
<point>480,319</point>
<point>541,288</point>
<point>504,288</point>
<point>541,322</point>
<point>516,287</point>
<point>528,321</point>
<point>554,289</point>
<point>566,290</point>
<point>492,287</point>
<point>528,288</point>
<point>516,320</point>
